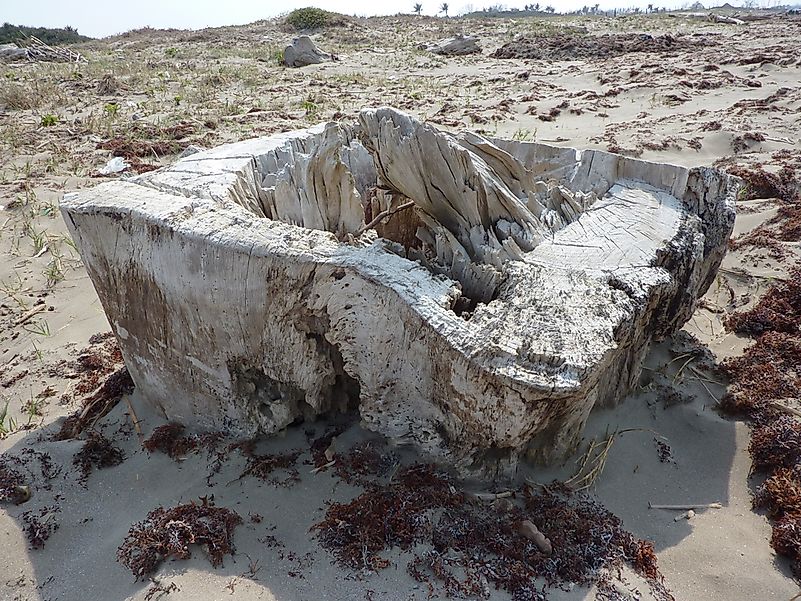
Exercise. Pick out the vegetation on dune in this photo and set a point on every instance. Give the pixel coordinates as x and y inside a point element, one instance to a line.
<point>302,19</point>
<point>68,35</point>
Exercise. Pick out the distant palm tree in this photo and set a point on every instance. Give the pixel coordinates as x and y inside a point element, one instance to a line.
<point>537,7</point>
<point>650,8</point>
<point>550,9</point>
<point>418,8</point>
<point>444,8</point>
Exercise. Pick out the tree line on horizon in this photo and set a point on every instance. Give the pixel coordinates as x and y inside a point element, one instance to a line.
<point>67,35</point>
<point>500,9</point>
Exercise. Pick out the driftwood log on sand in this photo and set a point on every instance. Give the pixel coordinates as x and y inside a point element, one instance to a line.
<point>457,46</point>
<point>33,49</point>
<point>12,52</point>
<point>303,51</point>
<point>510,288</point>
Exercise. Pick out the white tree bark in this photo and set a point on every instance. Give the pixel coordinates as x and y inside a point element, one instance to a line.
<point>303,51</point>
<point>520,288</point>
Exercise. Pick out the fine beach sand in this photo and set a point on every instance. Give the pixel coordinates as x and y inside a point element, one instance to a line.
<point>224,84</point>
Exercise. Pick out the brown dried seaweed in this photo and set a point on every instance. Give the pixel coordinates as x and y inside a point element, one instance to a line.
<point>40,525</point>
<point>100,371</point>
<point>781,492</point>
<point>777,311</point>
<point>263,466</point>
<point>11,483</point>
<point>166,533</point>
<point>776,444</point>
<point>786,539</point>
<point>764,379</point>
<point>785,226</point>
<point>170,440</point>
<point>96,452</point>
<point>768,370</point>
<point>473,546</point>
<point>362,460</point>
<point>574,45</point>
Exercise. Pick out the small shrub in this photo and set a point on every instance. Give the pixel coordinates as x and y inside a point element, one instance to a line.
<point>49,120</point>
<point>171,52</point>
<point>16,97</point>
<point>311,108</point>
<point>308,18</point>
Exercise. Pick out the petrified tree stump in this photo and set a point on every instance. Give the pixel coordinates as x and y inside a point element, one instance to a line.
<point>303,51</point>
<point>503,290</point>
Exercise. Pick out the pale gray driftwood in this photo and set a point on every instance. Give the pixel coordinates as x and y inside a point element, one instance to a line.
<point>12,52</point>
<point>457,46</point>
<point>507,289</point>
<point>303,51</point>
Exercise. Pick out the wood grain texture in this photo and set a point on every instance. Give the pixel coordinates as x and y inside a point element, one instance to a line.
<point>521,290</point>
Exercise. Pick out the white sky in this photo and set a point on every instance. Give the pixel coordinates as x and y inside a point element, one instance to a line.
<point>99,18</point>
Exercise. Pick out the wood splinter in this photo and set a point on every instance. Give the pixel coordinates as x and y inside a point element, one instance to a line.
<point>687,507</point>
<point>323,467</point>
<point>492,496</point>
<point>532,533</point>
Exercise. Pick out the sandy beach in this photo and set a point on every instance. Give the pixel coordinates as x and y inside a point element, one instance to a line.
<point>714,94</point>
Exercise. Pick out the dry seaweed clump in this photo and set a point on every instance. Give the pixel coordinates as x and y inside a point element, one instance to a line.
<point>767,372</point>
<point>764,381</point>
<point>40,525</point>
<point>472,546</point>
<point>103,377</point>
<point>780,495</point>
<point>12,485</point>
<point>166,533</point>
<point>764,184</point>
<point>170,440</point>
<point>777,443</point>
<point>97,405</point>
<point>785,226</point>
<point>264,466</point>
<point>97,452</point>
<point>365,459</point>
<point>778,311</point>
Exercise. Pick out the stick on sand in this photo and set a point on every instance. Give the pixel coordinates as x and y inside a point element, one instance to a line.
<point>686,507</point>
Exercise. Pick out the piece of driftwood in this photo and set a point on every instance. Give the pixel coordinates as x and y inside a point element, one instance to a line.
<point>725,19</point>
<point>34,49</point>
<point>715,505</point>
<point>12,52</point>
<point>521,290</point>
<point>457,46</point>
<point>302,52</point>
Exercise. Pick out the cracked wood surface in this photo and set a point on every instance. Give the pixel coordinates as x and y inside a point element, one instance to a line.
<point>521,290</point>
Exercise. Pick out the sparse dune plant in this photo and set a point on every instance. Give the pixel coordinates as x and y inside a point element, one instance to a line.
<point>15,96</point>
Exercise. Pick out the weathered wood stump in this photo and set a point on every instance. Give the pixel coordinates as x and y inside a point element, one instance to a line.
<point>501,291</point>
<point>302,52</point>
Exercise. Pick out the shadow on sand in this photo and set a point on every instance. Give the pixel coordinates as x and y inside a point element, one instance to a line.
<point>79,558</point>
